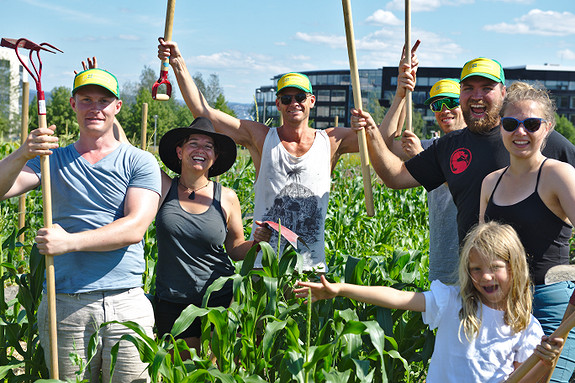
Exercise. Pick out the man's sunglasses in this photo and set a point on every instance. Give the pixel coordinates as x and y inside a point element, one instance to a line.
<point>449,102</point>
<point>531,124</point>
<point>299,98</point>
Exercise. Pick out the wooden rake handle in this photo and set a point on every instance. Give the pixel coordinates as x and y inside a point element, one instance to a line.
<point>362,140</point>
<point>408,99</point>
<point>562,331</point>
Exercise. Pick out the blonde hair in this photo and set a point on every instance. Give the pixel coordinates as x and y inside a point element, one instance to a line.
<point>522,91</point>
<point>495,241</point>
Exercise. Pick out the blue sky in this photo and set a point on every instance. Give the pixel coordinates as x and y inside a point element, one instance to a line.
<point>247,44</point>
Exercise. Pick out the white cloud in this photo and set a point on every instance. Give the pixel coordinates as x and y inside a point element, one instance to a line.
<point>236,60</point>
<point>516,1</point>
<point>331,41</point>
<point>538,22</point>
<point>69,13</point>
<point>416,5</point>
<point>425,5</point>
<point>566,54</point>
<point>381,17</point>
<point>129,37</point>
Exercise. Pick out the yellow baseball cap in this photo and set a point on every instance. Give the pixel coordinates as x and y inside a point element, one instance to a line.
<point>99,77</point>
<point>484,67</point>
<point>448,87</point>
<point>294,80</point>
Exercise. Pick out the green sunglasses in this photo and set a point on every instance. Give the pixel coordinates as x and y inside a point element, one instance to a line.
<point>449,102</point>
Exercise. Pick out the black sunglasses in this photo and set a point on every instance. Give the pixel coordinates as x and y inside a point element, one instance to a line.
<point>531,124</point>
<point>299,98</point>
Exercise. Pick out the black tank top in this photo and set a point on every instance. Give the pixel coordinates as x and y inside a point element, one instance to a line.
<point>544,235</point>
<point>191,254</point>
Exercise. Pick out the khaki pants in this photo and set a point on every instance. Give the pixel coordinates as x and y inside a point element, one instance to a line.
<point>80,315</point>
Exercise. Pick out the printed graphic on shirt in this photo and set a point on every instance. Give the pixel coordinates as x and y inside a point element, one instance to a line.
<point>298,209</point>
<point>460,160</point>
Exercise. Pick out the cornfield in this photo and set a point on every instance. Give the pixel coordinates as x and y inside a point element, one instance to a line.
<point>266,335</point>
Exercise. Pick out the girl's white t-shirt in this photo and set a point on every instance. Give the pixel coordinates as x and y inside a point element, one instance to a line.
<point>489,356</point>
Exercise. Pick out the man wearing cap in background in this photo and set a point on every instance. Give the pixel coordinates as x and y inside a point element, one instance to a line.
<point>105,195</point>
<point>444,102</point>
<point>464,157</point>
<point>293,162</point>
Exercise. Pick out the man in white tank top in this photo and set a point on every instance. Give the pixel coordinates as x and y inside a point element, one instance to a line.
<point>293,162</point>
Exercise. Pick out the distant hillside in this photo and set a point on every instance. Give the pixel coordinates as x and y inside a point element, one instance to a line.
<point>243,111</point>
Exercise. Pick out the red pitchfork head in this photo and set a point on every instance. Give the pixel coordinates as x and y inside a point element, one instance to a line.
<point>32,47</point>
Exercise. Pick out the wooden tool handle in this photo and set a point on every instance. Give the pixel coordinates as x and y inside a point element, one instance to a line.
<point>168,29</point>
<point>362,140</point>
<point>50,272</point>
<point>408,99</point>
<point>562,331</point>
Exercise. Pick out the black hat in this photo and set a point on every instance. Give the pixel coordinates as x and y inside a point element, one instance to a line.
<point>226,147</point>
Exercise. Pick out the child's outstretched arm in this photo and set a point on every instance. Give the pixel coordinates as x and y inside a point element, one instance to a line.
<point>547,352</point>
<point>376,295</point>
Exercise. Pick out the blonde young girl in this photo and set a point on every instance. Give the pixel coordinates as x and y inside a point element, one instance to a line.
<point>484,327</point>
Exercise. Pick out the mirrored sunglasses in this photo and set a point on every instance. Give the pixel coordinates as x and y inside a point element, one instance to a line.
<point>449,102</point>
<point>531,124</point>
<point>299,98</point>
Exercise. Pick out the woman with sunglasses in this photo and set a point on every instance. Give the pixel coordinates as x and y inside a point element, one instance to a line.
<point>535,195</point>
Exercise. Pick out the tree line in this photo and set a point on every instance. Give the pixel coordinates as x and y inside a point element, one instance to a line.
<point>171,114</point>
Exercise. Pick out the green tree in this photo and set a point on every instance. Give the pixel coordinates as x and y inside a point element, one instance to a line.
<point>565,127</point>
<point>60,113</point>
<point>377,111</point>
<point>210,89</point>
<point>221,104</point>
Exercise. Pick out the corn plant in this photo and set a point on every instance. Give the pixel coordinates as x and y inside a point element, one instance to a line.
<point>266,334</point>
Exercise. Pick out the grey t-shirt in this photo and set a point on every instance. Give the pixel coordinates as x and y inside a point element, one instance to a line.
<point>88,196</point>
<point>443,239</point>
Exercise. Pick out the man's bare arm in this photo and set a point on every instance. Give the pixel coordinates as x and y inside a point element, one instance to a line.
<point>390,168</point>
<point>246,133</point>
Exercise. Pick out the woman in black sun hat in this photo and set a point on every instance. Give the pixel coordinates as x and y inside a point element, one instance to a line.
<point>197,218</point>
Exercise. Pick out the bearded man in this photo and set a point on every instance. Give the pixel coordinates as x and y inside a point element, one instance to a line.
<point>464,157</point>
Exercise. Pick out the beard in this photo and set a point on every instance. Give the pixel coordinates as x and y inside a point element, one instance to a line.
<point>484,124</point>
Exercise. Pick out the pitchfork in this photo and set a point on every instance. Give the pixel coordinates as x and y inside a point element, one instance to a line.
<point>36,74</point>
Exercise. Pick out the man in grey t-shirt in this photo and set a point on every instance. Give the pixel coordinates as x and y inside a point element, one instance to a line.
<point>444,102</point>
<point>105,195</point>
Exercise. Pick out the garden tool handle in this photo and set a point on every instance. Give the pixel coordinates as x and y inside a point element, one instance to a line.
<point>361,137</point>
<point>408,99</point>
<point>562,332</point>
<point>165,65</point>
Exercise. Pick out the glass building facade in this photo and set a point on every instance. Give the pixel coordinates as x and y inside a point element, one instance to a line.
<point>334,95</point>
<point>333,92</point>
<point>560,81</point>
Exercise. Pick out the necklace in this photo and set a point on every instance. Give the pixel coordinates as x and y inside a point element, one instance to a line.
<point>192,192</point>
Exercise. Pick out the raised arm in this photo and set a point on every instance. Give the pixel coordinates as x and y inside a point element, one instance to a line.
<point>395,116</point>
<point>139,211</point>
<point>15,177</point>
<point>376,295</point>
<point>250,134</point>
<point>389,167</point>
<point>392,124</point>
